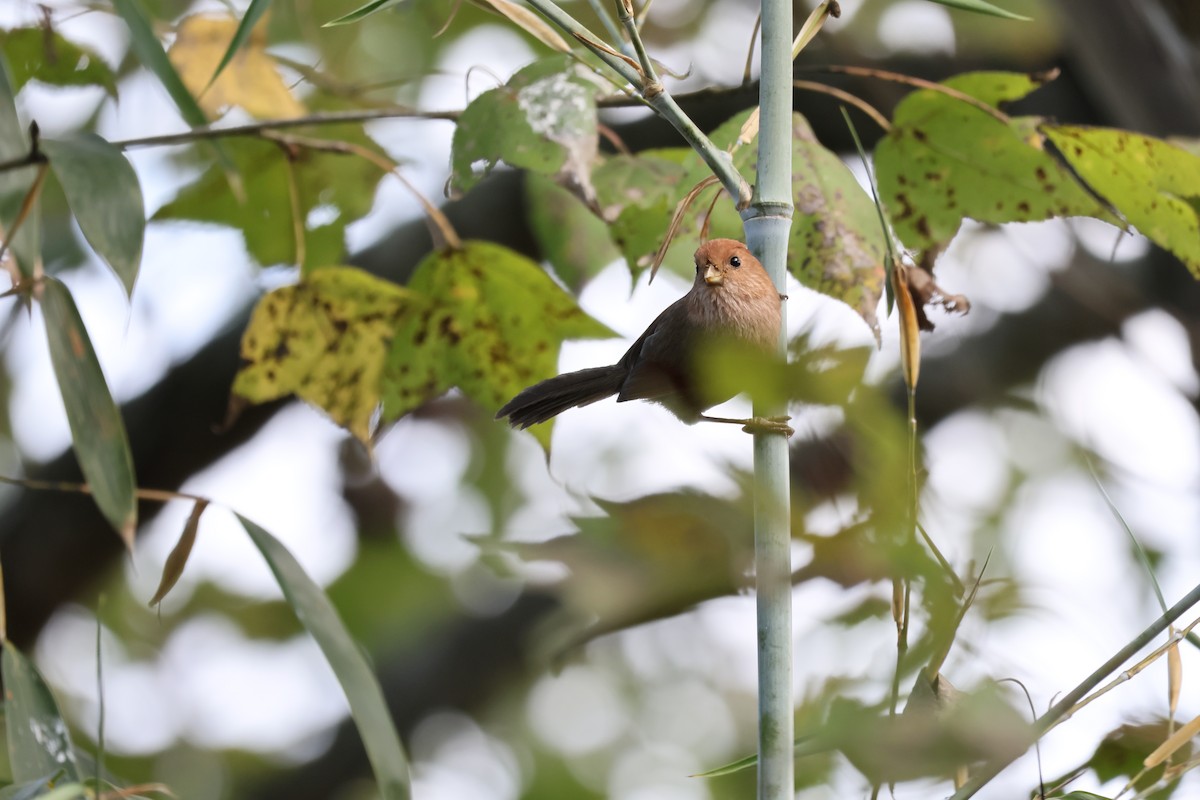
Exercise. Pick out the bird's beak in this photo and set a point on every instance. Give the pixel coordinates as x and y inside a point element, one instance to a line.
<point>713,276</point>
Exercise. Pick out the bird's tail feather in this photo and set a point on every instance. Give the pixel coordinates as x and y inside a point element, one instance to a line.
<point>551,397</point>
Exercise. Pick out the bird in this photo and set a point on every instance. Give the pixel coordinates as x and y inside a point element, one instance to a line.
<point>732,299</point>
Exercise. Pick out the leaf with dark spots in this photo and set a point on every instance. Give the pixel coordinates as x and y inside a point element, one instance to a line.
<point>1154,184</point>
<point>488,310</point>
<point>836,245</point>
<point>325,340</point>
<point>986,169</point>
<point>637,196</point>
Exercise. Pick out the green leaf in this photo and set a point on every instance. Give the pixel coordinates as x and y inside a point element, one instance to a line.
<point>324,339</point>
<point>96,426</point>
<point>103,192</point>
<point>364,11</point>
<point>543,119</point>
<point>945,160</point>
<point>637,195</point>
<point>39,744</point>
<point>341,188</point>
<point>368,707</point>
<point>45,56</point>
<point>573,239</point>
<point>836,246</point>
<point>730,768</point>
<point>982,7</point>
<point>1154,184</point>
<point>492,324</point>
<point>256,9</point>
<point>15,183</point>
<point>41,790</point>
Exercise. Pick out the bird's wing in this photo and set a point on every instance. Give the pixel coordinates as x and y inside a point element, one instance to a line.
<point>655,363</point>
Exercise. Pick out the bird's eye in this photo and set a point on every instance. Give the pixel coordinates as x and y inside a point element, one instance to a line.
<point>735,262</point>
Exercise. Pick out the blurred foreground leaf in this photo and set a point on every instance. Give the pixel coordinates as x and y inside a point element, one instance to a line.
<point>97,430</point>
<point>368,707</point>
<point>104,195</point>
<point>39,745</point>
<point>982,7</point>
<point>573,239</point>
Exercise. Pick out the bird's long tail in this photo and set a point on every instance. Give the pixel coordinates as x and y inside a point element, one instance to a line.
<point>551,397</point>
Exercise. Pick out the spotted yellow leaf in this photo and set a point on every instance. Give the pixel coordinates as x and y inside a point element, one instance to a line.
<point>493,324</point>
<point>325,340</point>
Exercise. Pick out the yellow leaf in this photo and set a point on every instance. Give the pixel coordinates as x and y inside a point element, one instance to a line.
<point>250,81</point>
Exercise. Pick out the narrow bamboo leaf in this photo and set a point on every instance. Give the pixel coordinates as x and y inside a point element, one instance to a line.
<point>96,426</point>
<point>982,7</point>
<point>178,557</point>
<point>15,183</point>
<point>104,195</point>
<point>44,55</point>
<point>249,19</point>
<point>39,744</point>
<point>368,707</point>
<point>150,53</point>
<point>364,11</point>
<point>729,769</point>
<point>41,790</point>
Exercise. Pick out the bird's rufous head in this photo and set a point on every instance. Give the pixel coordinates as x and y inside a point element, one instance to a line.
<point>720,260</point>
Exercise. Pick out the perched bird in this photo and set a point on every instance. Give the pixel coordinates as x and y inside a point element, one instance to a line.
<point>732,298</point>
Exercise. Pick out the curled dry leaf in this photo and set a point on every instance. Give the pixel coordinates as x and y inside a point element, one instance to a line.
<point>924,291</point>
<point>178,557</point>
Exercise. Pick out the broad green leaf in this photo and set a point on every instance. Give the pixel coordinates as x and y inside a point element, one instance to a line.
<point>982,7</point>
<point>637,196</point>
<point>573,239</point>
<point>945,160</point>
<point>325,340</point>
<point>836,244</point>
<point>493,324</point>
<point>253,13</point>
<point>334,190</point>
<point>46,56</point>
<point>39,744</point>
<point>15,183</point>
<point>105,197</point>
<point>368,707</point>
<point>97,429</point>
<point>1154,184</point>
<point>364,11</point>
<point>543,119</point>
<point>150,53</point>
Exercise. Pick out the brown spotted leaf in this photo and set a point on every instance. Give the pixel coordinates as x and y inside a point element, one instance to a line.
<point>491,323</point>
<point>836,245</point>
<point>1153,183</point>
<point>945,160</point>
<point>325,340</point>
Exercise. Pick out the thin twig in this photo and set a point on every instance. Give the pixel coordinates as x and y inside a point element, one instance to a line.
<point>153,495</point>
<point>607,21</point>
<point>750,49</point>
<point>920,83</point>
<point>854,100</point>
<point>650,83</point>
<point>1061,710</point>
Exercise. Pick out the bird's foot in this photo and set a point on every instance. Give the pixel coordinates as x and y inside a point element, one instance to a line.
<point>769,425</point>
<point>757,424</point>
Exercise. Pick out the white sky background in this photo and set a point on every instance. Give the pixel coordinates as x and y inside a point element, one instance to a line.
<point>1127,398</point>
